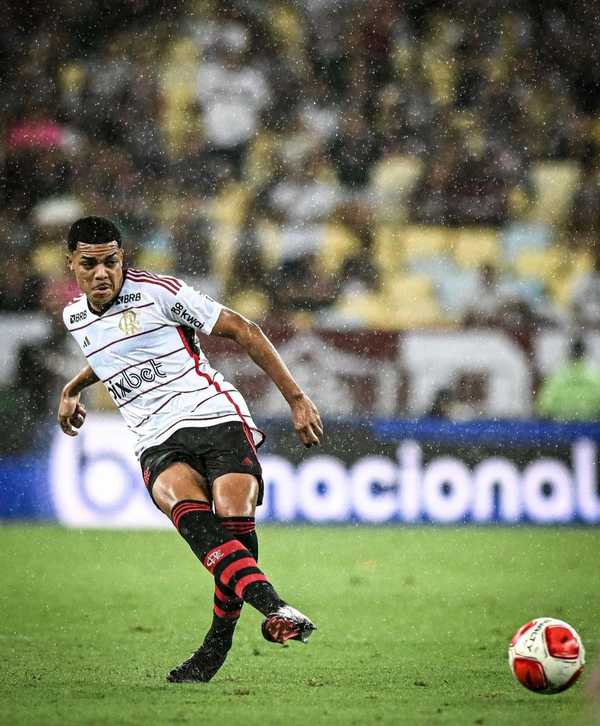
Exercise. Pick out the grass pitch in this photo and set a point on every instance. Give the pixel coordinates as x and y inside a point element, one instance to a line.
<point>413,627</point>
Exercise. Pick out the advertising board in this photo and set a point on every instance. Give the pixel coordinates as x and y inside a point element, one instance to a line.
<point>367,471</point>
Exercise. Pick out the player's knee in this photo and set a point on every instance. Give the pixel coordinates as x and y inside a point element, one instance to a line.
<point>235,495</point>
<point>179,481</point>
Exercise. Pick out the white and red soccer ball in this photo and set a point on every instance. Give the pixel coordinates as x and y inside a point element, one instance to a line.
<point>546,655</point>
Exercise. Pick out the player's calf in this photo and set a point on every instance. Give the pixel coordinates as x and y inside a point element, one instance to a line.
<point>231,564</point>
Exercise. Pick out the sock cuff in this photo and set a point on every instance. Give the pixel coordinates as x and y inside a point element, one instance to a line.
<point>238,525</point>
<point>186,506</point>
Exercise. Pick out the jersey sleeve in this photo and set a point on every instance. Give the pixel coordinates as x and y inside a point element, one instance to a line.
<point>191,308</point>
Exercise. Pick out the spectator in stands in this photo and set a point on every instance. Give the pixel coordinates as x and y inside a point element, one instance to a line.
<point>353,151</point>
<point>441,406</point>
<point>585,211</point>
<point>301,202</point>
<point>232,94</point>
<point>586,295</point>
<point>498,301</point>
<point>573,392</point>
<point>488,299</point>
<point>298,286</point>
<point>474,97</point>
<point>43,365</point>
<point>109,90</point>
<point>191,242</point>
<point>20,289</point>
<point>196,171</point>
<point>359,272</point>
<point>478,191</point>
<point>249,285</point>
<point>429,200</point>
<point>35,165</point>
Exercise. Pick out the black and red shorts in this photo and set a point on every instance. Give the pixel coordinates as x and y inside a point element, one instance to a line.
<point>212,451</point>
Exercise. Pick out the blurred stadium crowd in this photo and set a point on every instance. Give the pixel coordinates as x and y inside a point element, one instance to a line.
<point>367,163</point>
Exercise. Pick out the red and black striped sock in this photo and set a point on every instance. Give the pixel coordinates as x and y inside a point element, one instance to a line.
<point>231,564</point>
<point>227,606</point>
<point>244,529</point>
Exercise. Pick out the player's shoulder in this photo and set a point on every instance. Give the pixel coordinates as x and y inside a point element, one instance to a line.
<point>151,282</point>
<point>75,311</point>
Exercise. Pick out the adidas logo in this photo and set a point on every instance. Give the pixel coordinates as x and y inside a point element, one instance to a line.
<point>86,342</point>
<point>247,461</point>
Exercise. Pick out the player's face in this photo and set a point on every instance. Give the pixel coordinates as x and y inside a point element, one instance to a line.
<point>98,270</point>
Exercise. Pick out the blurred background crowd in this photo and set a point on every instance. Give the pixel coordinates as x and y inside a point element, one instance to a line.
<point>363,164</point>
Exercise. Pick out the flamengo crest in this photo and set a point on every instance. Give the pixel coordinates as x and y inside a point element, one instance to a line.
<point>129,323</point>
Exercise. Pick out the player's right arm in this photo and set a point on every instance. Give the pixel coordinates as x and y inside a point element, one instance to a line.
<point>71,413</point>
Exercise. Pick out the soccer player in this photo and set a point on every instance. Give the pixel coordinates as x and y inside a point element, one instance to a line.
<point>195,437</point>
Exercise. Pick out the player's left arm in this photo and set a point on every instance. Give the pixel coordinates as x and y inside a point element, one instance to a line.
<point>251,338</point>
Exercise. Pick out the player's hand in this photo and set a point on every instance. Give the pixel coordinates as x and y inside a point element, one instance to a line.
<point>71,414</point>
<point>307,421</point>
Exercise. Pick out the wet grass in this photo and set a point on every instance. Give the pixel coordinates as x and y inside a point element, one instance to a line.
<point>413,626</point>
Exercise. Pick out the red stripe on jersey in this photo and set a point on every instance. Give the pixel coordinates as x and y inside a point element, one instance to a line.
<point>170,282</point>
<point>166,278</point>
<point>169,278</point>
<point>157,278</point>
<point>214,383</point>
<point>126,337</point>
<point>144,281</point>
<point>144,277</point>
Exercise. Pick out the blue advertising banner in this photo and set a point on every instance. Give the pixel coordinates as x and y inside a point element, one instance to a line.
<point>367,471</point>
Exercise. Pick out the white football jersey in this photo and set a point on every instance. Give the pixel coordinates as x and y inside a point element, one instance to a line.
<point>144,348</point>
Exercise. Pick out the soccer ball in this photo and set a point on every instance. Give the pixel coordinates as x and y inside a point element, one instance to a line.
<point>546,655</point>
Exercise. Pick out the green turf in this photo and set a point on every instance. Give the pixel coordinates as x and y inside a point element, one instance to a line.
<point>413,627</point>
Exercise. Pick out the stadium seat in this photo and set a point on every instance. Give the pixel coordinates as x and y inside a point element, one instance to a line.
<point>521,236</point>
<point>423,241</point>
<point>48,260</point>
<point>338,244</point>
<point>260,159</point>
<point>388,251</point>
<point>411,302</point>
<point>562,285</point>
<point>392,181</point>
<point>268,234</point>
<point>363,309</point>
<point>178,90</point>
<point>555,184</point>
<point>251,303</point>
<point>155,259</point>
<point>540,265</point>
<point>474,246</point>
<point>226,214</point>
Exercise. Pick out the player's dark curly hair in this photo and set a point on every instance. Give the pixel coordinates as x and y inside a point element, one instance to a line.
<point>93,231</point>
